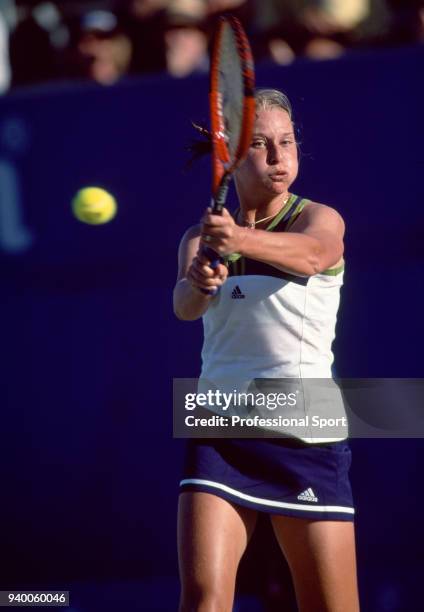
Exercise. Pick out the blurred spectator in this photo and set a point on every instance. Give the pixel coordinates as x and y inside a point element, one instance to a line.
<point>186,42</point>
<point>173,35</point>
<point>142,9</point>
<point>88,38</point>
<point>407,21</point>
<point>145,24</point>
<point>189,25</point>
<point>102,50</point>
<point>36,42</point>
<point>319,29</point>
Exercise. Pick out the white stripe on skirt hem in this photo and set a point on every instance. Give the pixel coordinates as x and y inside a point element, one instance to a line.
<point>266,502</point>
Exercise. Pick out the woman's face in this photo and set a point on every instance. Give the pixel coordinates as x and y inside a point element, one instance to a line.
<point>271,164</point>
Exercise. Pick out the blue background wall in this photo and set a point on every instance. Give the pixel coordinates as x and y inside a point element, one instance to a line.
<point>89,343</point>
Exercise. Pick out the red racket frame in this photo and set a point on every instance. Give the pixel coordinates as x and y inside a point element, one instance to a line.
<point>222,165</point>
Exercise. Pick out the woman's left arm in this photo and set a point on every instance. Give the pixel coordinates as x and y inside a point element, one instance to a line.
<point>312,244</point>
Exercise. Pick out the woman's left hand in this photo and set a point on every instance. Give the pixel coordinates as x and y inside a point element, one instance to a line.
<point>221,233</point>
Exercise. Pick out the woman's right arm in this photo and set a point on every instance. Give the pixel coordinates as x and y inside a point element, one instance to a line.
<point>194,274</point>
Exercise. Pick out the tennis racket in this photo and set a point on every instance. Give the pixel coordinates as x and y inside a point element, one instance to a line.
<point>232,111</point>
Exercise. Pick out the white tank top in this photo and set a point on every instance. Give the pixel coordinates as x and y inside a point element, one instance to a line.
<point>268,324</point>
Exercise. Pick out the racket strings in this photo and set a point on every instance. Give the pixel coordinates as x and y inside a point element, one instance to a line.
<point>231,89</point>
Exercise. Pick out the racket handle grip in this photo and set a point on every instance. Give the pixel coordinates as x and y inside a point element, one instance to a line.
<point>219,199</point>
<point>217,204</point>
<point>213,257</point>
<point>209,291</point>
<point>215,260</point>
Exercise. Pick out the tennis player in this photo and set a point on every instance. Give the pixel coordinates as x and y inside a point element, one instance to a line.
<point>273,316</point>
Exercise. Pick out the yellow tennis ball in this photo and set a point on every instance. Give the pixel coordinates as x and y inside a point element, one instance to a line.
<point>94,205</point>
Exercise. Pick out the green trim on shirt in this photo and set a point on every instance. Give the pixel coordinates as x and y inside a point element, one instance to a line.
<point>303,202</point>
<point>276,220</point>
<point>333,271</point>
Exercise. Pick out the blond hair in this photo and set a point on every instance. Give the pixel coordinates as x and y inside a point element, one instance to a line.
<point>270,98</point>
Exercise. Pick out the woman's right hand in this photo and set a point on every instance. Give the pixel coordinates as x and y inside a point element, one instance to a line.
<point>201,276</point>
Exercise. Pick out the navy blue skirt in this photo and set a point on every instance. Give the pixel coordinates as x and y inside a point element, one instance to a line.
<point>276,476</point>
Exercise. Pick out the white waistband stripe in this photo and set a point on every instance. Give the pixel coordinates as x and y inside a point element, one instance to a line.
<point>266,502</point>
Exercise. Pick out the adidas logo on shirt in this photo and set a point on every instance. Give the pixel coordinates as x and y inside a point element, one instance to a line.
<point>237,294</point>
<point>308,495</point>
